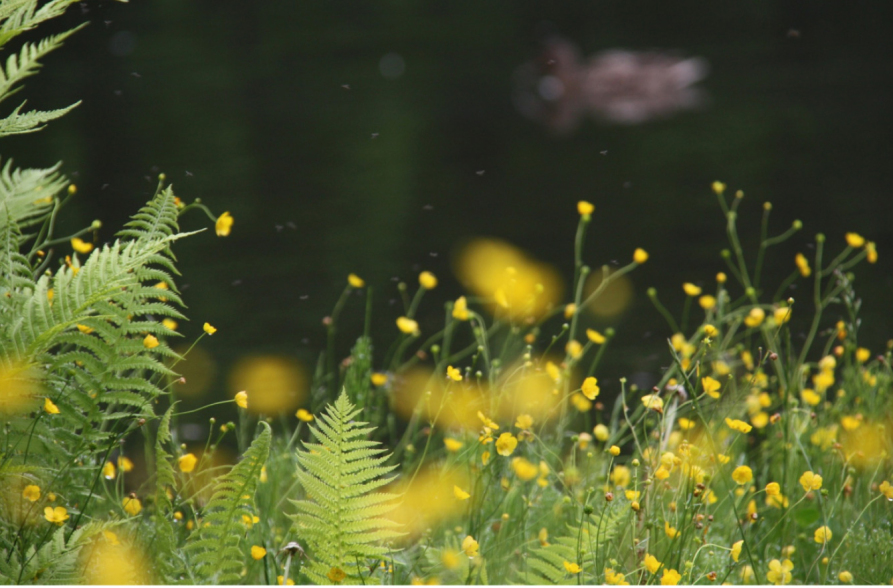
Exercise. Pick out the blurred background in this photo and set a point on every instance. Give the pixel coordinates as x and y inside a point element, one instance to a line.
<point>377,137</point>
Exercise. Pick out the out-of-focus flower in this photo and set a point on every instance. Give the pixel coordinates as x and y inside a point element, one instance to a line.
<point>304,415</point>
<point>855,240</point>
<point>187,463</point>
<point>640,256</point>
<point>242,399</point>
<point>132,505</point>
<point>654,402</point>
<point>755,317</point>
<point>711,387</point>
<point>601,433</point>
<point>460,309</point>
<point>470,546</point>
<point>822,535</point>
<point>460,493</point>
<point>209,329</point>
<point>773,489</point>
<point>355,281</point>
<point>57,515</point>
<point>670,577</point>
<point>407,325</point>
<point>590,388</point>
<point>524,421</point>
<point>802,265</point>
<point>810,481</point>
<point>452,445</point>
<point>81,246</point>
<point>224,224</point>
<point>50,407</point>
<point>278,384</point>
<point>572,568</point>
<point>585,208</point>
<point>524,469</point>
<point>454,374</point>
<point>780,572</point>
<point>736,549</point>
<point>718,187</point>
<point>427,280</point>
<point>739,426</point>
<point>150,342</point>
<point>690,289</point>
<point>108,471</point>
<point>258,552</point>
<point>31,493</point>
<point>379,379</point>
<point>506,444</point>
<point>742,475</point>
<point>651,563</point>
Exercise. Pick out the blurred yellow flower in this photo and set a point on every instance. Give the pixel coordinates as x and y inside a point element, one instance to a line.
<point>736,549</point>
<point>125,464</point>
<point>707,302</point>
<point>187,462</point>
<point>737,425</point>
<point>718,187</point>
<point>170,324</point>
<point>81,246</point>
<point>452,445</point>
<point>524,469</point>
<point>614,450</point>
<point>855,240</point>
<point>651,563</point>
<point>845,577</point>
<point>460,493</point>
<point>209,329</point>
<point>355,281</point>
<point>279,581</point>
<point>810,481</point>
<point>773,489</point>
<point>640,256</point>
<point>132,505</point>
<point>454,374</point>
<point>336,575</point>
<point>755,317</point>
<point>427,280</point>
<point>615,578</point>
<point>150,342</point>
<point>670,578</point>
<point>711,387</point>
<point>671,532</point>
<point>506,444</point>
<point>574,349</point>
<point>886,489</point>
<point>690,289</point>
<point>470,546</point>
<point>524,421</point>
<point>242,399</point>
<point>407,325</point>
<point>379,379</point>
<point>258,552</point>
<point>304,415</point>
<point>572,568</point>
<point>782,314</point>
<point>108,471</point>
<point>822,535</point>
<point>585,208</point>
<point>862,355</point>
<point>871,252</point>
<point>686,424</point>
<point>31,493</point>
<point>802,265</point>
<point>654,402</point>
<point>85,329</point>
<point>621,476</point>
<point>601,433</point>
<point>460,309</point>
<point>224,224</point>
<point>56,515</point>
<point>780,572</point>
<point>590,388</point>
<point>810,397</point>
<point>595,336</point>
<point>50,407</point>
<point>742,475</point>
<point>581,403</point>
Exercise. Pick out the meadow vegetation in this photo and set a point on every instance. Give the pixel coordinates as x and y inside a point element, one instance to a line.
<point>488,451</point>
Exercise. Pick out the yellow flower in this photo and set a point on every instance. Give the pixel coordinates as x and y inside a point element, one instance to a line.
<point>773,489</point>
<point>506,444</point>
<point>780,572</point>
<point>822,535</point>
<point>707,302</point>
<point>170,324</point>
<point>779,501</point>
<point>85,329</point>
<point>851,423</point>
<point>209,329</point>
<point>862,355</point>
<point>487,422</point>
<point>742,475</point>
<point>651,563</point>
<point>671,532</point>
<point>718,187</point>
<point>886,489</point>
<point>595,336</point>
<point>640,256</point>
<point>125,464</point>
<point>304,415</point>
<point>56,515</point>
<point>379,379</point>
<point>150,342</point>
<point>585,208</point>
<point>737,425</point>
<point>460,309</point>
<point>524,421</point>
<point>711,387</point>
<point>690,289</point>
<point>524,469</point>
<point>81,246</point>
<point>572,568</point>
<point>855,240</point>
<point>810,397</point>
<point>279,581</point>
<point>460,493</point>
<point>590,388</point>
<point>670,578</point>
<point>407,325</point>
<point>621,476</point>
<point>224,224</point>
<point>452,445</point>
<point>871,250</point>
<point>601,433</point>
<point>336,575</point>
<point>31,493</point>
<point>427,280</point>
<point>580,402</point>
<point>654,402</point>
<point>454,374</point>
<point>485,458</point>
<point>615,578</point>
<point>782,315</point>
<point>187,463</point>
<point>242,399</point>
<point>355,281</point>
<point>662,473</point>
<point>614,450</point>
<point>810,481</point>
<point>50,407</point>
<point>574,349</point>
<point>755,317</point>
<point>570,310</point>
<point>470,546</point>
<point>132,505</point>
<point>108,471</point>
<point>686,424</point>
<point>845,577</point>
<point>258,552</point>
<point>802,265</point>
<point>736,549</point>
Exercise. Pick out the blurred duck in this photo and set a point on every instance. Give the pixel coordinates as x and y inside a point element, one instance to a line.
<point>625,87</point>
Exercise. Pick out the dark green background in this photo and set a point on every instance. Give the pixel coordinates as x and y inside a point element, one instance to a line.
<point>248,98</point>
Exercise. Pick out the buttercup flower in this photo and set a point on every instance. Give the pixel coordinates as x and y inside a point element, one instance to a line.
<point>654,402</point>
<point>590,388</point>
<point>670,578</point>
<point>452,445</point>
<point>132,505</point>
<point>454,374</point>
<point>742,475</point>
<point>150,342</point>
<point>242,399</point>
<point>56,515</point>
<point>125,464</point>
<point>822,535</point>
<point>585,208</point>
<point>601,433</point>
<point>595,336</point>
<point>31,493</point>
<point>336,575</point>
<point>187,463</point>
<point>780,572</point>
<point>773,489</point>
<point>224,224</point>
<point>871,252</point>
<point>845,577</point>
<point>802,265</point>
<point>886,489</point>
<point>460,309</point>
<point>506,444</point>
<point>739,426</point>
<point>470,546</point>
<point>736,549</point>
<point>614,450</point>
<point>355,281</point>
<point>209,329</point>
<point>810,481</point>
<point>49,407</point>
<point>258,552</point>
<point>855,240</point>
<point>304,415</point>
<point>707,302</point>
<point>711,387</point>
<point>427,280</point>
<point>460,493</point>
<point>524,421</point>
<point>651,563</point>
<point>755,317</point>
<point>718,187</point>
<point>671,532</point>
<point>690,289</point>
<point>108,471</point>
<point>407,325</point>
<point>379,379</point>
<point>640,256</point>
<point>572,568</point>
<point>81,246</point>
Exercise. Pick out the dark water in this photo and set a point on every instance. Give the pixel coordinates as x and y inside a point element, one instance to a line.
<point>244,105</point>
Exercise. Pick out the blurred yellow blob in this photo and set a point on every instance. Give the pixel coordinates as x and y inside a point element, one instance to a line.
<point>274,384</point>
<point>867,445</point>
<point>18,389</point>
<point>198,368</point>
<point>429,500</point>
<point>420,389</point>
<point>520,285</point>
<point>110,560</point>
<point>615,297</point>
<point>527,392</point>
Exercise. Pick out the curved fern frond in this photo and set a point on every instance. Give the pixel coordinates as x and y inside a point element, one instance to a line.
<point>342,519</point>
<point>217,556</point>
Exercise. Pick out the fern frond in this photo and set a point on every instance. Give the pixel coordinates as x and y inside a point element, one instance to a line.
<point>25,64</point>
<point>18,16</point>
<point>27,195</point>
<point>19,123</point>
<point>215,548</point>
<point>342,521</point>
